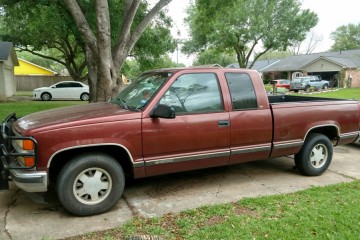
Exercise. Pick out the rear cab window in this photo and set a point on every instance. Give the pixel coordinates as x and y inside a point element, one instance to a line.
<point>242,92</point>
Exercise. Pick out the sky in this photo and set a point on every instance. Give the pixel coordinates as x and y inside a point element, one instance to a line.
<point>332,14</point>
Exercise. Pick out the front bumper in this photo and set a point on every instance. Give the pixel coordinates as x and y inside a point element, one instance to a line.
<point>358,139</point>
<point>30,181</point>
<point>25,177</point>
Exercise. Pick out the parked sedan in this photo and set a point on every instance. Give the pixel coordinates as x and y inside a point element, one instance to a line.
<point>284,83</point>
<point>63,90</point>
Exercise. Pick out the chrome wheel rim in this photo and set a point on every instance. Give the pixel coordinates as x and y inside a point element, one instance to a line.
<point>85,97</point>
<point>318,156</point>
<point>92,186</point>
<point>45,96</point>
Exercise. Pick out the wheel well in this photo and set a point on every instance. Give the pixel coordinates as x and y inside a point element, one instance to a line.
<point>118,153</point>
<point>329,131</point>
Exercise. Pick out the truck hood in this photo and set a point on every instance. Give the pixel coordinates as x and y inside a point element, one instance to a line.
<point>72,116</point>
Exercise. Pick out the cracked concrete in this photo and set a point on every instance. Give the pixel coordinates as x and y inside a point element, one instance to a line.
<point>22,218</point>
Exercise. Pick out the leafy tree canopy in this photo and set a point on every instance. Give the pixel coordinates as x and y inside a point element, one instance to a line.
<point>346,37</point>
<point>248,27</point>
<point>275,55</point>
<point>47,28</point>
<point>212,56</point>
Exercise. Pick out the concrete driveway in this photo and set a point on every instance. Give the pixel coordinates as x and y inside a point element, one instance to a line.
<point>22,218</point>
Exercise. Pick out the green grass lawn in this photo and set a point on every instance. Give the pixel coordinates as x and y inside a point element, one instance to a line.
<point>22,108</point>
<point>344,93</point>
<point>331,212</point>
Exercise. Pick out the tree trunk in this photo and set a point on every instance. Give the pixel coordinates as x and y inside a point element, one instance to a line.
<point>104,64</point>
<point>92,74</point>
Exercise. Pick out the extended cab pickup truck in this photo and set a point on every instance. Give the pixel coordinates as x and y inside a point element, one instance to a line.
<point>168,121</point>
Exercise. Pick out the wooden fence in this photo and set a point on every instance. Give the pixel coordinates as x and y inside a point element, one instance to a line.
<point>29,83</point>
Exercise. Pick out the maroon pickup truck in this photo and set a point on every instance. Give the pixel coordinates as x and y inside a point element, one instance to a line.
<point>168,121</point>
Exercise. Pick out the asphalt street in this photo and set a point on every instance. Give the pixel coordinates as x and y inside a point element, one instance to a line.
<point>44,218</point>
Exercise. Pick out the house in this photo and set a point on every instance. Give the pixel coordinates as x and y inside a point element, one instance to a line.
<point>341,67</point>
<point>28,68</point>
<point>8,60</point>
<point>29,76</point>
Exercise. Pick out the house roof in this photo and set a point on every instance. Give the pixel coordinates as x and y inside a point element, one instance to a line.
<point>259,65</point>
<point>345,59</point>
<point>6,50</point>
<point>29,68</point>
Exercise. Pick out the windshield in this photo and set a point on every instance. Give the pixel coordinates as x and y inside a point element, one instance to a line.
<point>137,94</point>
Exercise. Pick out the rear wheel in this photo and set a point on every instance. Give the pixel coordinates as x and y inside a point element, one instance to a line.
<point>325,87</point>
<point>46,96</point>
<point>315,156</point>
<point>306,89</point>
<point>90,184</point>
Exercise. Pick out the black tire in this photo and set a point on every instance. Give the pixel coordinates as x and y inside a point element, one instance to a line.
<point>104,185</point>
<point>84,97</point>
<point>325,87</point>
<point>306,89</point>
<point>315,156</point>
<point>46,96</point>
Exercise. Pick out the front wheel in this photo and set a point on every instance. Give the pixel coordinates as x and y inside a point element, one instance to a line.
<point>84,97</point>
<point>46,96</point>
<point>315,156</point>
<point>90,184</point>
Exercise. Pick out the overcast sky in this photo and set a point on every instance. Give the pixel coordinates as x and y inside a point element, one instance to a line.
<point>332,14</point>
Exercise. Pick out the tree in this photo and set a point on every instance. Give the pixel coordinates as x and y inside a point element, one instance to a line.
<point>249,27</point>
<point>275,55</point>
<point>45,31</point>
<point>97,35</point>
<point>211,56</point>
<point>311,42</point>
<point>104,57</point>
<point>346,37</point>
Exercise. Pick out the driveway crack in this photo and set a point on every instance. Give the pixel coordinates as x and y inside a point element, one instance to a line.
<point>132,208</point>
<point>11,204</point>
<point>342,174</point>
<point>261,183</point>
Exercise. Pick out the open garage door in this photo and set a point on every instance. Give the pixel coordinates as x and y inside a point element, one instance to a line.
<point>332,77</point>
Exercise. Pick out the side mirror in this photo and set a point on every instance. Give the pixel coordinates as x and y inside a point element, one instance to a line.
<point>162,111</point>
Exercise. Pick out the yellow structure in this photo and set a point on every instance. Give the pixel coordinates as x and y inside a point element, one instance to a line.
<point>28,68</point>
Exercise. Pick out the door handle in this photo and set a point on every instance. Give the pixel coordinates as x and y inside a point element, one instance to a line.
<point>223,123</point>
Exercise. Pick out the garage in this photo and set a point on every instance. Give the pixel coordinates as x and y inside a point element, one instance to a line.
<point>340,68</point>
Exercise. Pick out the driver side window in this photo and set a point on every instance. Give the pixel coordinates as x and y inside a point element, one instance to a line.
<point>194,93</point>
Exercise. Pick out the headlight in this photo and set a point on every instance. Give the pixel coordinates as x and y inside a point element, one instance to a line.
<point>25,146</point>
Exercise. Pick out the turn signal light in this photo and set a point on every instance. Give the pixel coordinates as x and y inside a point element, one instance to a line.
<point>28,144</point>
<point>29,161</point>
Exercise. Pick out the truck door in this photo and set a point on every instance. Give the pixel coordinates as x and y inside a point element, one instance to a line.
<point>198,137</point>
<point>251,122</point>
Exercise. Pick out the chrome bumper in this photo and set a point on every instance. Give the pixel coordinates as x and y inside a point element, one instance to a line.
<point>358,138</point>
<point>30,181</point>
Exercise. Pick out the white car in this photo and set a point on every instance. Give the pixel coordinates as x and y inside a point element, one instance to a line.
<point>63,90</point>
